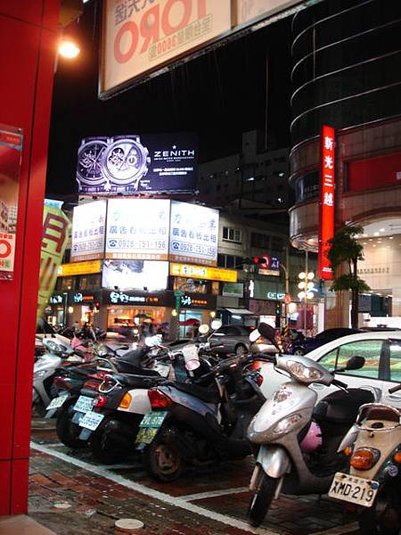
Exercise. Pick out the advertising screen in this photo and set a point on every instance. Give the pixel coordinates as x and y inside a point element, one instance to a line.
<point>144,275</point>
<point>193,233</point>
<point>88,231</point>
<point>131,164</point>
<point>137,229</point>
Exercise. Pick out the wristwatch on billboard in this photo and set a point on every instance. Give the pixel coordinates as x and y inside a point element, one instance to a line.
<point>126,161</point>
<point>90,161</point>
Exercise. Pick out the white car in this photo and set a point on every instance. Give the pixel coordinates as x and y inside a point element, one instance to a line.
<point>382,369</point>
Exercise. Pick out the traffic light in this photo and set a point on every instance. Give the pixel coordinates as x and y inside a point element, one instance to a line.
<point>278,308</point>
<point>260,260</point>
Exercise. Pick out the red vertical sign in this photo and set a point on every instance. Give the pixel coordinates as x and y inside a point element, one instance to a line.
<point>327,197</point>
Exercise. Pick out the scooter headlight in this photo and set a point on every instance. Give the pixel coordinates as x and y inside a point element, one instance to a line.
<point>286,424</point>
<point>305,374</point>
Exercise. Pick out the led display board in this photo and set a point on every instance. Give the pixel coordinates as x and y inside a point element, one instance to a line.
<point>193,233</point>
<point>203,272</point>
<point>327,200</point>
<point>88,231</point>
<point>144,275</point>
<point>137,229</point>
<point>133,164</point>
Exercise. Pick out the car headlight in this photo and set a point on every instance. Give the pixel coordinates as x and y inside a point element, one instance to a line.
<point>305,374</point>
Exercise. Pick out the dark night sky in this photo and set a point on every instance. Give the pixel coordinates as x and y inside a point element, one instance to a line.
<point>218,95</point>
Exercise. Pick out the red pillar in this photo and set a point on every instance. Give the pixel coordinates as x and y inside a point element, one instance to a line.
<point>28,33</point>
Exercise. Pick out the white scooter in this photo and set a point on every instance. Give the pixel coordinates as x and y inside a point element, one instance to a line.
<point>296,440</point>
<point>373,481</point>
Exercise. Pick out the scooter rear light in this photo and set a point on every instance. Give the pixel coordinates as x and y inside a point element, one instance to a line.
<point>397,457</point>
<point>126,401</point>
<point>100,402</point>
<point>158,399</point>
<point>92,384</point>
<point>62,383</point>
<point>364,458</point>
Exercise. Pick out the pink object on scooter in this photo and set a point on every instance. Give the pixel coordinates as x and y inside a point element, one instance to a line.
<point>312,439</point>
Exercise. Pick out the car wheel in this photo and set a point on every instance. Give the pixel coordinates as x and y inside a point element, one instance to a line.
<point>298,351</point>
<point>240,350</point>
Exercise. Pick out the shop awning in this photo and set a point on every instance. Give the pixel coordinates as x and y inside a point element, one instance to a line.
<point>241,311</point>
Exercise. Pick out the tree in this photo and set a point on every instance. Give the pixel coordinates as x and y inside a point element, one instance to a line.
<point>345,248</point>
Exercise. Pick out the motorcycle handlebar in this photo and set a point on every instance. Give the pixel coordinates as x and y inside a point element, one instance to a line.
<point>394,389</point>
<point>340,384</point>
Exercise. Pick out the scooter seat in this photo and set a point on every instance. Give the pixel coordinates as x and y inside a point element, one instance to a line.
<point>127,367</point>
<point>138,380</point>
<point>210,396</point>
<point>342,407</point>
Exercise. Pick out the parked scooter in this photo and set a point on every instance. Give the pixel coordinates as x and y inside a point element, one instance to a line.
<point>202,421</point>
<point>373,481</point>
<point>296,440</point>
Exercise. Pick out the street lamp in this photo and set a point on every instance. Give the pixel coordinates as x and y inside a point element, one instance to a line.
<point>306,286</point>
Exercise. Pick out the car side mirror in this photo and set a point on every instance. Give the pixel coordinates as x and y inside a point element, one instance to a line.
<point>355,363</point>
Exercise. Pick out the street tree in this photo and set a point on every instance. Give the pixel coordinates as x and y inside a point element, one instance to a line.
<point>346,250</point>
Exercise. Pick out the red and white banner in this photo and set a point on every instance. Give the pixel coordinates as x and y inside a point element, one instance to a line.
<point>327,200</point>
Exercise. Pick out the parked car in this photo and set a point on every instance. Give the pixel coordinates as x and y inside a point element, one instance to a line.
<point>303,345</point>
<point>382,368</point>
<point>232,339</point>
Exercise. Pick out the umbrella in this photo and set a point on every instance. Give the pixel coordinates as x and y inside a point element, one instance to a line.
<point>190,321</point>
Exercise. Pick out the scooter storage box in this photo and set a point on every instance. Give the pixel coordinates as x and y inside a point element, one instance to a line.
<point>342,407</point>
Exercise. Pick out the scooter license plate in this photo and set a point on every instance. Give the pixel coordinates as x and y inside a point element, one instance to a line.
<point>91,420</point>
<point>353,489</point>
<point>57,402</point>
<point>83,404</point>
<point>149,426</point>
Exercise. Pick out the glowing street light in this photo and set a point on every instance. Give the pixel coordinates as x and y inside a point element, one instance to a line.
<point>68,48</point>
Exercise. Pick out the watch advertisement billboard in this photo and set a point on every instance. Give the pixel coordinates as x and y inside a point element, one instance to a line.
<point>193,233</point>
<point>133,164</point>
<point>11,141</point>
<point>146,275</point>
<point>141,37</point>
<point>88,231</point>
<point>138,229</point>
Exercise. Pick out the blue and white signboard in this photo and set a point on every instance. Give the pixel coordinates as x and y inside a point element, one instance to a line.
<point>130,164</point>
<point>88,231</point>
<point>193,233</point>
<point>137,228</point>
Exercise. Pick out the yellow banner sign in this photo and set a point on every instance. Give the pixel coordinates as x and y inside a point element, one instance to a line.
<point>79,268</point>
<point>203,272</point>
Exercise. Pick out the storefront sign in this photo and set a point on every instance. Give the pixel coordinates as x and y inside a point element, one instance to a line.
<point>88,231</point>
<point>327,200</point>
<point>196,301</point>
<point>79,268</point>
<point>140,37</point>
<point>80,298</point>
<point>11,141</point>
<point>193,233</point>
<point>275,296</point>
<point>57,299</point>
<point>131,298</point>
<point>138,229</point>
<point>203,272</point>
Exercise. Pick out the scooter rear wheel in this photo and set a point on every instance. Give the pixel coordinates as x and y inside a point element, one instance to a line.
<point>66,430</point>
<point>163,460</point>
<point>265,490</point>
<point>388,520</point>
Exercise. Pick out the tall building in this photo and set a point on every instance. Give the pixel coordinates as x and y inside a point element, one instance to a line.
<point>347,74</point>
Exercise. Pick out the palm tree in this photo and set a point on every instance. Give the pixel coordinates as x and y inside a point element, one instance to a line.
<point>344,248</point>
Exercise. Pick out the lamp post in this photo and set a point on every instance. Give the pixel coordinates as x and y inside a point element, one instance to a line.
<point>306,285</point>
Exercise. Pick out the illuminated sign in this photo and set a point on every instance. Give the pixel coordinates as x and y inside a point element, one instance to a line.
<point>80,298</point>
<point>79,268</point>
<point>137,229</point>
<point>140,37</point>
<point>88,231</point>
<point>135,274</point>
<point>133,164</point>
<point>276,296</point>
<point>203,272</point>
<point>193,233</point>
<point>327,200</point>
<point>195,301</point>
<point>134,299</point>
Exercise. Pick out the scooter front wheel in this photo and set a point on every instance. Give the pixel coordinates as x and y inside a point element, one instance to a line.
<point>265,490</point>
<point>163,460</point>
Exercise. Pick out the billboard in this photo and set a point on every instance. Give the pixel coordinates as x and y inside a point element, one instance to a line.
<point>133,164</point>
<point>146,275</point>
<point>88,232</point>
<point>193,233</point>
<point>138,229</point>
<point>141,37</point>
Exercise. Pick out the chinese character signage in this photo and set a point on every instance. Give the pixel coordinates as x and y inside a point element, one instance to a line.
<point>193,233</point>
<point>132,164</point>
<point>203,272</point>
<point>138,229</point>
<point>88,232</point>
<point>55,236</point>
<point>141,37</point>
<point>327,199</point>
<point>10,166</point>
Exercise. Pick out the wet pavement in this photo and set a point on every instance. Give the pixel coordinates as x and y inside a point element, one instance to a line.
<point>70,493</point>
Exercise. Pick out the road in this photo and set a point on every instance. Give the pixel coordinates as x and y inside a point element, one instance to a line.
<point>215,498</point>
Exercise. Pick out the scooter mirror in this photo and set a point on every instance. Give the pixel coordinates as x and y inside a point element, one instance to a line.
<point>204,328</point>
<point>216,324</point>
<point>254,335</point>
<point>267,331</point>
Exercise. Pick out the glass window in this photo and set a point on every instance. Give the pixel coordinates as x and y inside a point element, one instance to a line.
<point>395,361</point>
<point>232,234</point>
<point>369,349</point>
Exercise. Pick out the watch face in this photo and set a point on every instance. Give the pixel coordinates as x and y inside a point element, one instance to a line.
<point>90,163</point>
<point>125,162</point>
